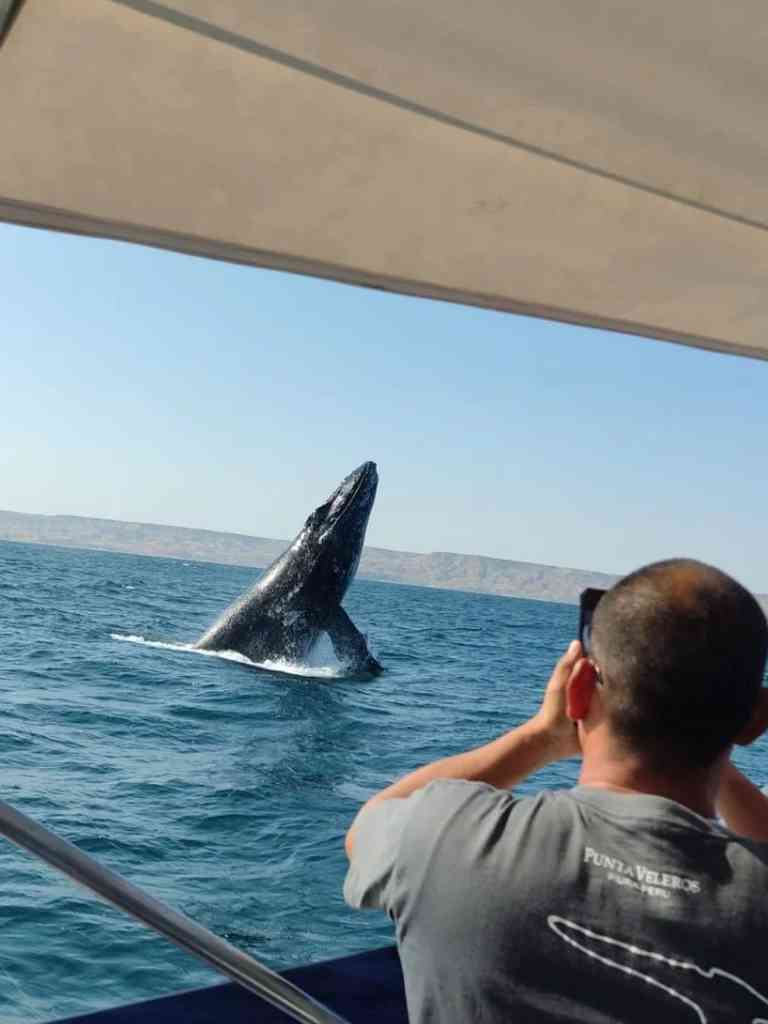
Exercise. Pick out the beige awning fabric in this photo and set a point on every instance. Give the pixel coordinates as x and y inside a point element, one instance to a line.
<point>601,162</point>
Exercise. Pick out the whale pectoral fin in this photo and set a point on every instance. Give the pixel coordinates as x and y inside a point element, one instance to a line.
<point>349,643</point>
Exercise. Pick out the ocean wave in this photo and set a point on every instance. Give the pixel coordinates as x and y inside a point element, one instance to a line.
<point>310,669</point>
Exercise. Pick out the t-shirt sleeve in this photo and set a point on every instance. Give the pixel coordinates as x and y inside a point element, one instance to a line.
<point>378,832</point>
<point>392,836</point>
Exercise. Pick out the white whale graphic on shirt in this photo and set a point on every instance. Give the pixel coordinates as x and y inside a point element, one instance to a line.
<point>638,963</point>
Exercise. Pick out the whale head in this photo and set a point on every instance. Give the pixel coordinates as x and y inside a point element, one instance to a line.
<point>334,533</point>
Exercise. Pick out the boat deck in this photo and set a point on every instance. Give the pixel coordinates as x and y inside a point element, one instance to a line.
<point>364,987</point>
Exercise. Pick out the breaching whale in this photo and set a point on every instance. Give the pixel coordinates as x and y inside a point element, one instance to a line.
<point>299,596</point>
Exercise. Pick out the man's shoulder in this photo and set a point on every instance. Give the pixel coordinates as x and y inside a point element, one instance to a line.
<point>463,790</point>
<point>457,806</point>
<point>459,803</point>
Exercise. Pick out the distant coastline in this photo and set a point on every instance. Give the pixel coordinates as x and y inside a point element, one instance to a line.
<point>441,569</point>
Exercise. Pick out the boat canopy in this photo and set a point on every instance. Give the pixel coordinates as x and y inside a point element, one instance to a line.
<point>600,163</point>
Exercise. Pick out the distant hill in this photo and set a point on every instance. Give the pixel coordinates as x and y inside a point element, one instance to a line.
<point>485,575</point>
<point>437,569</point>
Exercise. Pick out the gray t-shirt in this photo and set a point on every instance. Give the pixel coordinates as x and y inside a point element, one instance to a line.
<point>574,905</point>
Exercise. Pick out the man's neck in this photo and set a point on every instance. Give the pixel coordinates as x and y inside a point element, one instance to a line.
<point>626,774</point>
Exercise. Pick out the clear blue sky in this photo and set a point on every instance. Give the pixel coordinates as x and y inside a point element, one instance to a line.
<point>150,386</point>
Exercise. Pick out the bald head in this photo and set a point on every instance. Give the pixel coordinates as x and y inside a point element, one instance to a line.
<point>681,648</point>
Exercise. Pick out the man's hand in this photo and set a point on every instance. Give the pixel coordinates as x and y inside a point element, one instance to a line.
<point>552,718</point>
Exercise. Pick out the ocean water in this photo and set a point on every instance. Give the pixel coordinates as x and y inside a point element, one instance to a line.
<point>222,788</point>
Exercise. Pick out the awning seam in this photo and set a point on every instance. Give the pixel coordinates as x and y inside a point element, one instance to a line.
<point>50,218</point>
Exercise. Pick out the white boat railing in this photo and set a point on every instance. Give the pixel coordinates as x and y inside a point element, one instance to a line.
<point>220,954</point>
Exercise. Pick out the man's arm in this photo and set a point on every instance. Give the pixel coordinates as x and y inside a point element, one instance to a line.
<point>743,806</point>
<point>549,736</point>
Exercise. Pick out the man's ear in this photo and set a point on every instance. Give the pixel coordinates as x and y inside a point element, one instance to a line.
<point>757,724</point>
<point>580,689</point>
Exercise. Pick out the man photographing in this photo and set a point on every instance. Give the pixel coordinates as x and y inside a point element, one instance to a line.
<point>624,896</point>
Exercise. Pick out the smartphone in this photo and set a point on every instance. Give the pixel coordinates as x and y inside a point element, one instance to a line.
<point>589,600</point>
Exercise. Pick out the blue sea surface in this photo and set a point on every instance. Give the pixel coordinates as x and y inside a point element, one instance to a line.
<point>221,788</point>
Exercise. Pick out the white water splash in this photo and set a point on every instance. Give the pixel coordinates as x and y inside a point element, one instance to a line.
<point>321,662</point>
